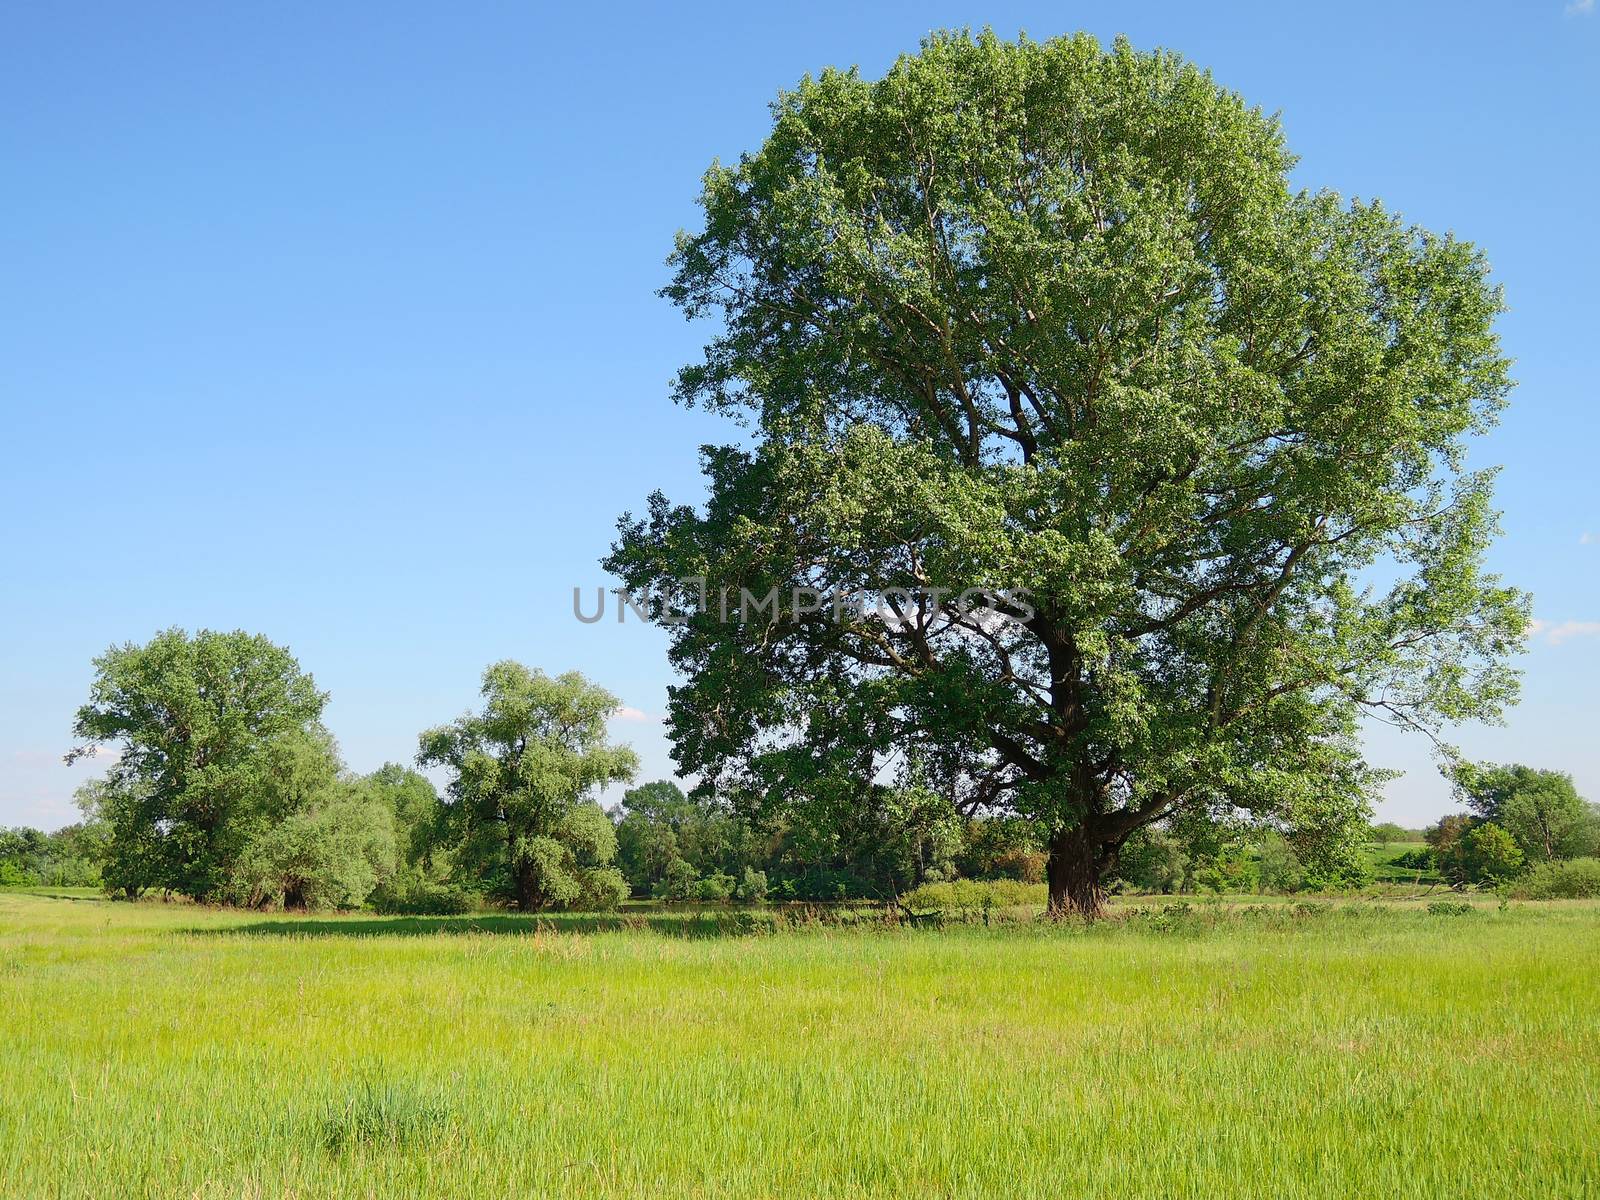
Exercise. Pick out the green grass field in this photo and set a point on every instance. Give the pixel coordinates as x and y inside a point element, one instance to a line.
<point>1334,1051</point>
<point>1384,870</point>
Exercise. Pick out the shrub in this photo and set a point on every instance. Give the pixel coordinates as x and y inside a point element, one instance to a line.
<point>974,895</point>
<point>1153,860</point>
<point>1278,867</point>
<point>332,855</point>
<point>753,887</point>
<point>425,899</point>
<point>676,882</point>
<point>1493,853</point>
<point>1574,879</point>
<point>714,888</point>
<point>1449,908</point>
<point>1021,864</point>
<point>603,889</point>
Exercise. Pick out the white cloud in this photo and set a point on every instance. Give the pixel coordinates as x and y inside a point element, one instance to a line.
<point>1580,8</point>
<point>1556,634</point>
<point>1586,538</point>
<point>627,713</point>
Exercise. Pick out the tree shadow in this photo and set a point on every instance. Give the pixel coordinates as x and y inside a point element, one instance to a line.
<point>689,925</point>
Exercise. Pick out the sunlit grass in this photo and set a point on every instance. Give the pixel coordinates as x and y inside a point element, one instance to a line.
<point>1330,1050</point>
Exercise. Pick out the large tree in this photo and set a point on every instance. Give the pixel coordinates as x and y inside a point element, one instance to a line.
<point>209,727</point>
<point>1049,318</point>
<point>523,771</point>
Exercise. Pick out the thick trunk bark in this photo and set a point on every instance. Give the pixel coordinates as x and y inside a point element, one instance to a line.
<point>527,887</point>
<point>1074,870</point>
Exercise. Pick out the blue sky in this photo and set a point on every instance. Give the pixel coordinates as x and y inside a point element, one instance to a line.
<point>337,322</point>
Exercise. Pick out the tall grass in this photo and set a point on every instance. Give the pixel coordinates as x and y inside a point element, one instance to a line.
<point>1318,1050</point>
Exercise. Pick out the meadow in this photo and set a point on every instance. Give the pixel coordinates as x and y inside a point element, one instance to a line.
<point>1295,1050</point>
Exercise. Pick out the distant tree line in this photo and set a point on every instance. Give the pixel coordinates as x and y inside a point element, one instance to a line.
<point>1519,820</point>
<point>69,857</point>
<point>229,789</point>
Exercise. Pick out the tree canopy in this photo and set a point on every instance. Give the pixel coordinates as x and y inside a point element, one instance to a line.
<point>523,771</point>
<point>1047,319</point>
<point>208,725</point>
<point>1541,810</point>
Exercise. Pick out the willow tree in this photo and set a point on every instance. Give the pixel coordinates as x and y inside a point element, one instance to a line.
<point>1047,319</point>
<point>519,805</point>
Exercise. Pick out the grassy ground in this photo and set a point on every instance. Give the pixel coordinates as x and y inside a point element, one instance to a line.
<point>1384,869</point>
<point>1274,1052</point>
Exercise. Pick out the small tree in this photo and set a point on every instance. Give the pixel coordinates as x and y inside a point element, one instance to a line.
<point>1469,850</point>
<point>1491,854</point>
<point>523,768</point>
<point>677,880</point>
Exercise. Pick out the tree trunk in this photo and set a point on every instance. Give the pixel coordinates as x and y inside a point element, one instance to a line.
<point>527,884</point>
<point>1073,870</point>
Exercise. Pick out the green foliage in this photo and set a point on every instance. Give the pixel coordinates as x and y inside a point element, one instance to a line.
<point>1541,810</point>
<point>332,854</point>
<point>715,889</point>
<point>996,846</point>
<point>1490,854</point>
<point>753,886</point>
<point>1233,870</point>
<point>677,881</point>
<point>1416,860</point>
<point>974,895</point>
<point>69,857</point>
<point>1154,860</point>
<point>208,725</point>
<point>658,823</point>
<point>1278,867</point>
<point>1472,851</point>
<point>1047,318</point>
<point>842,839</point>
<point>1574,879</point>
<point>414,897</point>
<point>518,819</point>
<point>604,888</point>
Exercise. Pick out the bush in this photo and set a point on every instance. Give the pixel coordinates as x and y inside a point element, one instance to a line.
<point>1021,864</point>
<point>1153,860</point>
<point>974,895</point>
<point>1574,879</point>
<point>1278,867</point>
<point>676,882</point>
<point>425,899</point>
<point>753,887</point>
<point>714,888</point>
<point>1449,908</point>
<point>603,889</point>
